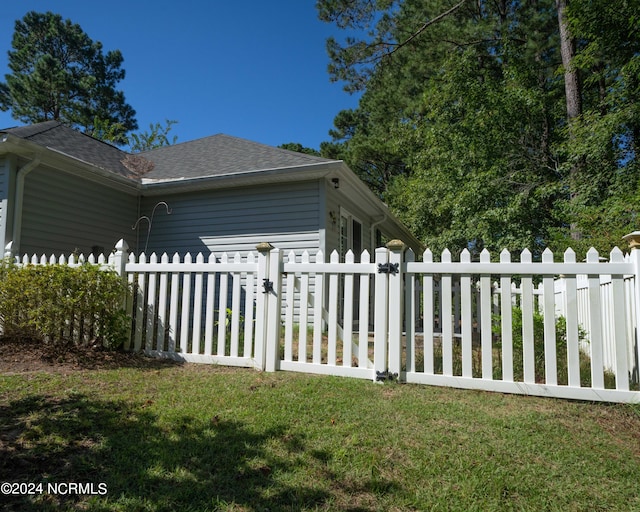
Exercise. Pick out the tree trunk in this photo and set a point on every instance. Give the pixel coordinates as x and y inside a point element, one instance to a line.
<point>572,85</point>
<point>573,94</point>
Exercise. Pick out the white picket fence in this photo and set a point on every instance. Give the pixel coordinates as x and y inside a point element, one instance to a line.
<point>560,329</point>
<point>608,315</point>
<point>491,362</point>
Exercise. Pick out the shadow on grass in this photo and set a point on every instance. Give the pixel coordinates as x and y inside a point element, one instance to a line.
<point>194,465</point>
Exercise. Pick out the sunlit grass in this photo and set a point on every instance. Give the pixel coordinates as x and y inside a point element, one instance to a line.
<point>209,438</point>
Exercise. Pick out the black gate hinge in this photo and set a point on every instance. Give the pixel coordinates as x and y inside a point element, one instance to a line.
<point>388,268</point>
<point>386,375</point>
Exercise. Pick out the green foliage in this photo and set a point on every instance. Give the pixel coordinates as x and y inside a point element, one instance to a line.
<point>63,304</point>
<point>606,138</point>
<point>462,123</point>
<point>59,73</point>
<point>299,148</point>
<point>156,137</point>
<point>104,130</point>
<point>228,315</point>
<point>538,342</point>
<point>538,346</point>
<point>479,149</point>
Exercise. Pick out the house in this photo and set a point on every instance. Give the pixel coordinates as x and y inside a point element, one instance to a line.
<point>62,191</point>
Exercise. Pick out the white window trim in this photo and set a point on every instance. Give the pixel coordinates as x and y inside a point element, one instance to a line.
<point>344,213</point>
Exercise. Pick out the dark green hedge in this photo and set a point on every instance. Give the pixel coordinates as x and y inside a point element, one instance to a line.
<point>62,304</point>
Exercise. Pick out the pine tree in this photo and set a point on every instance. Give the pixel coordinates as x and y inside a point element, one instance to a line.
<point>59,73</point>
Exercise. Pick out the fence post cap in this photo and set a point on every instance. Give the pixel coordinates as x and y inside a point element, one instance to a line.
<point>264,247</point>
<point>633,239</point>
<point>121,245</point>
<point>396,245</point>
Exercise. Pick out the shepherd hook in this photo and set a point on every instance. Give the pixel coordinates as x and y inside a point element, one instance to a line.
<point>150,221</point>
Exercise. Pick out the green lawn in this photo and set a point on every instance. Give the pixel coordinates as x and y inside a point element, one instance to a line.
<point>208,438</point>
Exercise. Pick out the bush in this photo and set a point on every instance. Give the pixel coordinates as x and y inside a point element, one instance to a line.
<point>63,304</point>
<point>538,346</point>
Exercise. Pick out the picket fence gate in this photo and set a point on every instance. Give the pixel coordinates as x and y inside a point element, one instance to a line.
<point>558,329</point>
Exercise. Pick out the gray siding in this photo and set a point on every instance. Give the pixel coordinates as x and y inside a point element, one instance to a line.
<point>5,173</point>
<point>235,220</point>
<point>63,213</point>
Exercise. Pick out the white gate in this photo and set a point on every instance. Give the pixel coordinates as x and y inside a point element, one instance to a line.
<point>558,329</point>
<point>198,311</point>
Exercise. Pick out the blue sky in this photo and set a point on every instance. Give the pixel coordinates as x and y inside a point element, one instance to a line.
<point>254,69</point>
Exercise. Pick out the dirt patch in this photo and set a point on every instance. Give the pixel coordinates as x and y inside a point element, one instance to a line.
<point>622,422</point>
<point>26,355</point>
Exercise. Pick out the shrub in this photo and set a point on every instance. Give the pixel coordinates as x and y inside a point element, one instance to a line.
<point>63,304</point>
<point>538,346</point>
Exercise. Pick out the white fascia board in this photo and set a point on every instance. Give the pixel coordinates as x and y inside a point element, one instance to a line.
<point>151,187</point>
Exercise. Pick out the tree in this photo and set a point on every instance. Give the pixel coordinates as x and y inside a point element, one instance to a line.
<point>503,123</point>
<point>453,127</point>
<point>363,138</point>
<point>105,131</point>
<point>573,98</point>
<point>481,175</point>
<point>572,85</point>
<point>603,137</point>
<point>156,137</point>
<point>59,73</point>
<point>299,148</point>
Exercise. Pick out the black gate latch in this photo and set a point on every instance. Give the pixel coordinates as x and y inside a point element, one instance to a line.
<point>267,285</point>
<point>388,268</point>
<point>386,375</point>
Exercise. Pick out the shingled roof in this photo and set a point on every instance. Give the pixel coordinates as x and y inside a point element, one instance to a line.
<point>216,155</point>
<point>62,139</point>
<point>221,155</point>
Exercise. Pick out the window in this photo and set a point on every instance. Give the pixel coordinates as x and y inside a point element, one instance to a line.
<point>350,239</point>
<point>350,235</point>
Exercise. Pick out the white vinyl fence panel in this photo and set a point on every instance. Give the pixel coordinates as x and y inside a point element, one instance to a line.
<point>555,354</point>
<point>559,329</point>
<point>197,311</point>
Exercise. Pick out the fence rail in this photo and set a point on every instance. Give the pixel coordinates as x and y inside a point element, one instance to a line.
<point>519,351</point>
<point>194,310</point>
<point>562,329</point>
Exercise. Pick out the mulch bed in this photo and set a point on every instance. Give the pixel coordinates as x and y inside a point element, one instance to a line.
<point>19,355</point>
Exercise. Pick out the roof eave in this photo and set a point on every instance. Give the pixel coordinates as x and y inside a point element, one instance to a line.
<point>65,162</point>
<point>230,180</point>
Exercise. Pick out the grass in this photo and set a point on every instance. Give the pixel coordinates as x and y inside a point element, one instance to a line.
<point>205,438</point>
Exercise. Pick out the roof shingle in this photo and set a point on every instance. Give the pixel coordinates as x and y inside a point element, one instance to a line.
<point>210,156</point>
<point>221,154</point>
<point>61,138</point>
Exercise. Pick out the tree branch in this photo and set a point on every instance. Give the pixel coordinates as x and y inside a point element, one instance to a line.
<point>425,26</point>
<point>384,46</point>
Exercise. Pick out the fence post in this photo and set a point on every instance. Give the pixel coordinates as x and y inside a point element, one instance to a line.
<point>381,312</point>
<point>120,257</point>
<point>264,252</point>
<point>8,251</point>
<point>633,240</point>
<point>273,291</point>
<point>395,301</point>
<point>119,260</point>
